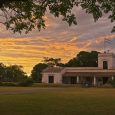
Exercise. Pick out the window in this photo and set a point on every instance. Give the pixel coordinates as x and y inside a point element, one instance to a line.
<point>105,65</point>
<point>51,79</point>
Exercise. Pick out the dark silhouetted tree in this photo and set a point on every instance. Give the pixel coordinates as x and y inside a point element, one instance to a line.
<point>25,15</point>
<point>2,71</point>
<point>14,73</point>
<point>36,72</point>
<point>84,59</point>
<point>52,61</point>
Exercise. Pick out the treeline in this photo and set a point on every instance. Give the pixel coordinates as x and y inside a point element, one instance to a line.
<point>82,59</point>
<point>15,73</point>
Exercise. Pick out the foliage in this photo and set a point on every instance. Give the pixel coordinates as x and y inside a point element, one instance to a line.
<point>84,59</point>
<point>13,73</point>
<point>2,71</point>
<point>52,61</point>
<point>112,81</point>
<point>26,15</point>
<point>37,69</point>
<point>36,72</point>
<point>26,82</point>
<point>8,84</point>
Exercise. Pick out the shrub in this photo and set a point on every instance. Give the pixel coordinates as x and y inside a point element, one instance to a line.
<point>26,82</point>
<point>107,86</point>
<point>0,83</point>
<point>112,82</point>
<point>8,84</point>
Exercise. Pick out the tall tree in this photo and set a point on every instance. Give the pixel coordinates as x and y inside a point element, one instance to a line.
<point>36,72</point>
<point>84,59</point>
<point>20,15</point>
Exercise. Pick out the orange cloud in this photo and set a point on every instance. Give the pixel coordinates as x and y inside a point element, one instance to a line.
<point>29,51</point>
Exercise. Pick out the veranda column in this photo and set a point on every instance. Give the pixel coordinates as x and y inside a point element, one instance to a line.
<point>94,81</point>
<point>112,78</point>
<point>77,79</point>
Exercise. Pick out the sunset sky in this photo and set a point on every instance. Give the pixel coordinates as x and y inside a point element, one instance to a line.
<point>57,40</point>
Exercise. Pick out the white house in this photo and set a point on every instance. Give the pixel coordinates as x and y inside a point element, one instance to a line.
<point>79,75</point>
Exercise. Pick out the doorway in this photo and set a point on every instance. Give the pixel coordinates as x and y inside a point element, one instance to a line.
<point>51,79</point>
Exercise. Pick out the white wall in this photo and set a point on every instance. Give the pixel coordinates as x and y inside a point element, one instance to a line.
<point>57,77</point>
<point>109,57</point>
<point>113,63</point>
<point>44,78</point>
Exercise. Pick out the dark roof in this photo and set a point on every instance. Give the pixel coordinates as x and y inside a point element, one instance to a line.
<point>52,70</point>
<point>89,74</point>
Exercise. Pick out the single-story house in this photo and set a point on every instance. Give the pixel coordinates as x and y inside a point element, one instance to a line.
<point>80,75</point>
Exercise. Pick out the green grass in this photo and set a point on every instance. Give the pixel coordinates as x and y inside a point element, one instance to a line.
<point>56,101</point>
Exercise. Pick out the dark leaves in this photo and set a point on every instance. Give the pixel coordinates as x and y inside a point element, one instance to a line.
<point>26,15</point>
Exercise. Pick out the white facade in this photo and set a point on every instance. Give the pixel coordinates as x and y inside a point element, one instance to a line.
<point>109,57</point>
<point>57,77</point>
<point>75,75</point>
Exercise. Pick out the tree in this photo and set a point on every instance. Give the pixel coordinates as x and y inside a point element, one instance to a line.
<point>72,63</point>
<point>2,71</point>
<point>14,73</point>
<point>36,72</point>
<point>52,61</point>
<point>84,59</point>
<point>11,73</point>
<point>26,15</point>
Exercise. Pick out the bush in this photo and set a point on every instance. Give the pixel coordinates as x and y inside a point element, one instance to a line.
<point>0,83</point>
<point>107,86</point>
<point>26,82</point>
<point>112,82</point>
<point>8,84</point>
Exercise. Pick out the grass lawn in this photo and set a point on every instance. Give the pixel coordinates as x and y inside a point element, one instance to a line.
<point>56,101</point>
